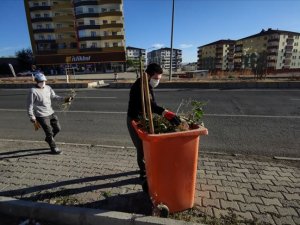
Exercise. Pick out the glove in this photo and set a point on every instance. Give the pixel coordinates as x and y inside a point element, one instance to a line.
<point>68,99</point>
<point>175,120</point>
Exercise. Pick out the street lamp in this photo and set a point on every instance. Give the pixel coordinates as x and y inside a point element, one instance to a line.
<point>171,56</point>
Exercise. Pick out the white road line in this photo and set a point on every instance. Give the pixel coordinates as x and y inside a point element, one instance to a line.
<point>208,115</point>
<point>95,97</point>
<point>252,116</point>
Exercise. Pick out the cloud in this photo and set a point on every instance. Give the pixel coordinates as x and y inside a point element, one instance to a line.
<point>185,45</point>
<point>157,45</point>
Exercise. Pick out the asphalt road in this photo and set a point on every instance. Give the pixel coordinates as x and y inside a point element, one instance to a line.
<point>261,122</point>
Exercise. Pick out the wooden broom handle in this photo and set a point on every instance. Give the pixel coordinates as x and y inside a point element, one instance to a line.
<point>143,97</point>
<point>148,104</point>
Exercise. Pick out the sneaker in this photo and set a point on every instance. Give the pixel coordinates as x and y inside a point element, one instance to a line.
<point>56,151</point>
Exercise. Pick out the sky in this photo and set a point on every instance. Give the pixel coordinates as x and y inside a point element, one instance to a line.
<point>196,22</point>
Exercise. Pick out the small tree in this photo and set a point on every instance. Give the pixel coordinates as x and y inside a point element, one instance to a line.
<point>261,64</point>
<point>25,58</point>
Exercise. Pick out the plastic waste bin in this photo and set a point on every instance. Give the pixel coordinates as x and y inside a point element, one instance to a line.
<point>171,167</point>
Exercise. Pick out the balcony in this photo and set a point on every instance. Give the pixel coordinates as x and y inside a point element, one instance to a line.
<point>68,17</point>
<point>111,13</point>
<point>90,38</point>
<point>111,25</point>
<point>84,15</point>
<point>40,7</point>
<point>45,41</point>
<point>114,49</point>
<point>43,30</point>
<point>41,19</point>
<point>65,29</point>
<point>93,2</point>
<point>272,47</point>
<point>88,27</point>
<point>83,3</point>
<point>288,55</point>
<point>60,5</point>
<point>112,37</point>
<point>90,49</point>
<point>273,39</point>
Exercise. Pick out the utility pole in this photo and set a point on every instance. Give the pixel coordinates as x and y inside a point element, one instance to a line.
<point>171,56</point>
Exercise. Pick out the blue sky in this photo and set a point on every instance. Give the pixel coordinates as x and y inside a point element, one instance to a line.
<point>148,22</point>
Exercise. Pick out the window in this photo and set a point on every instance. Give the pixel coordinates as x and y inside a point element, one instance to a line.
<point>82,45</point>
<point>48,26</point>
<point>59,25</point>
<point>113,22</point>
<point>91,10</point>
<point>93,33</point>
<point>44,3</point>
<point>114,33</point>
<point>46,15</point>
<point>79,11</point>
<point>115,44</point>
<point>104,21</point>
<point>92,22</point>
<point>49,37</point>
<point>37,15</point>
<point>103,10</point>
<point>94,45</point>
<point>35,4</point>
<point>59,36</point>
<point>41,37</point>
<point>39,26</point>
<point>106,44</point>
<point>105,33</point>
<point>57,14</point>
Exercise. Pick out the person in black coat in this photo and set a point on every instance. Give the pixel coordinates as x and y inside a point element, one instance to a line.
<point>135,111</point>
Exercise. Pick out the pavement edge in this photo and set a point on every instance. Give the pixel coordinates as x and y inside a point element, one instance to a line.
<point>77,215</point>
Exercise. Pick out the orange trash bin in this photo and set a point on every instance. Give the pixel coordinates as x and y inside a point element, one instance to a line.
<point>171,166</point>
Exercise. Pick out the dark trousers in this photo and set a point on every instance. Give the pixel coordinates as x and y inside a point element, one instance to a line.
<point>138,145</point>
<point>51,127</point>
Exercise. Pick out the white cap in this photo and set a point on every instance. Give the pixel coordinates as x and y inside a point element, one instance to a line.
<point>39,77</point>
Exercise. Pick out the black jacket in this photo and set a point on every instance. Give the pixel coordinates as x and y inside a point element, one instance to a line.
<point>135,101</point>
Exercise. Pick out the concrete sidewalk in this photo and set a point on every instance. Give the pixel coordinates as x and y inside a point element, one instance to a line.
<point>106,178</point>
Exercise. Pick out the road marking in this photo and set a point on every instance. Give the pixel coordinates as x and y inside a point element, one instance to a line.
<point>209,115</point>
<point>295,99</point>
<point>95,97</point>
<point>252,116</point>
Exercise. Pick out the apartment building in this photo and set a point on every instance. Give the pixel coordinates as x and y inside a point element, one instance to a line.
<point>135,54</point>
<point>85,34</point>
<point>281,50</point>
<point>162,57</point>
<point>216,55</point>
<point>276,49</point>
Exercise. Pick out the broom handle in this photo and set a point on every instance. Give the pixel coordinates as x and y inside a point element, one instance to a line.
<point>143,96</point>
<point>148,104</point>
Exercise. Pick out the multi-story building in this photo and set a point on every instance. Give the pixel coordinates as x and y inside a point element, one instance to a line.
<point>135,54</point>
<point>276,49</point>
<point>216,55</point>
<point>162,57</point>
<point>87,34</point>
<point>281,50</point>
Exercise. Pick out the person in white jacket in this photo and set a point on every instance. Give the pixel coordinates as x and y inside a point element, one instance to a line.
<point>40,110</point>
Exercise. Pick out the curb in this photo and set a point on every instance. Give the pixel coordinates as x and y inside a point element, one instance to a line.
<point>70,215</point>
<point>200,85</point>
<point>220,85</point>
